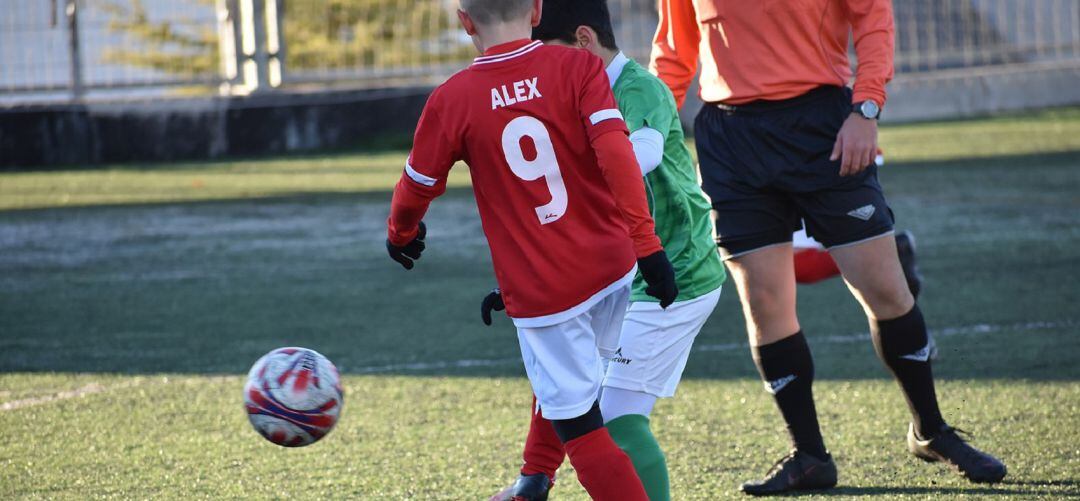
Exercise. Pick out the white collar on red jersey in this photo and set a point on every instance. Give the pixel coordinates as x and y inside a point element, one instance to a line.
<point>615,68</point>
<point>496,58</point>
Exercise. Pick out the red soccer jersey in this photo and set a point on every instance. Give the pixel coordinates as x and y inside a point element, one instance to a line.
<point>523,117</point>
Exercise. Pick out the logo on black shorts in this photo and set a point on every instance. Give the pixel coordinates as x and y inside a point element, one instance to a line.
<point>865,212</point>
<point>619,358</point>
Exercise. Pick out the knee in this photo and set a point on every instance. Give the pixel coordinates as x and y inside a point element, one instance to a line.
<point>569,429</point>
<point>617,402</point>
<point>888,302</point>
<point>770,314</point>
<point>768,300</point>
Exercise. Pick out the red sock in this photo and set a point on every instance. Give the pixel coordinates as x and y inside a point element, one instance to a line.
<point>543,450</point>
<point>603,469</point>
<point>813,265</point>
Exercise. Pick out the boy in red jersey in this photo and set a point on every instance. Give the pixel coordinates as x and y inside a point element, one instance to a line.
<point>563,207</point>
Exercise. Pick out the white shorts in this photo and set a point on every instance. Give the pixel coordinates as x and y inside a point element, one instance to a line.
<point>565,361</point>
<point>655,344</point>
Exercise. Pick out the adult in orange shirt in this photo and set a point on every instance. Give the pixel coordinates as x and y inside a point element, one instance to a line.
<point>783,139</point>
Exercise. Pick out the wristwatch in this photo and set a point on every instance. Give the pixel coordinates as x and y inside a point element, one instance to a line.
<point>867,109</point>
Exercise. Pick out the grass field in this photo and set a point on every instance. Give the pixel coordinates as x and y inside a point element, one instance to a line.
<point>133,298</point>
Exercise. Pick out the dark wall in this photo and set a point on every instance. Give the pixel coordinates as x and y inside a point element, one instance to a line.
<point>197,129</point>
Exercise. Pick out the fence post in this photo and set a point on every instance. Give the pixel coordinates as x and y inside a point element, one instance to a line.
<point>228,24</point>
<point>71,10</point>
<point>250,43</point>
<point>258,54</point>
<point>275,40</point>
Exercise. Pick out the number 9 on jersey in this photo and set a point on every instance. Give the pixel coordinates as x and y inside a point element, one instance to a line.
<point>543,166</point>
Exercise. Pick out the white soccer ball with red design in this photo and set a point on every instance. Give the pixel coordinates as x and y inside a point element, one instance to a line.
<point>293,396</point>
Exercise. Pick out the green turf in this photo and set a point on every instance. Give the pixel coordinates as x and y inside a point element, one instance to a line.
<point>458,438</point>
<point>199,181</point>
<point>1040,133</point>
<point>124,327</point>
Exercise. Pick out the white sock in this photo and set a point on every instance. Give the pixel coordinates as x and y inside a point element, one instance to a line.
<point>617,402</point>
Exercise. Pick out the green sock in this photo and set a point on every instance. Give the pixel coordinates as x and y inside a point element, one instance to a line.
<point>633,435</point>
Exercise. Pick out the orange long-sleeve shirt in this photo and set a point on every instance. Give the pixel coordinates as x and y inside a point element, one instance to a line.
<point>773,49</point>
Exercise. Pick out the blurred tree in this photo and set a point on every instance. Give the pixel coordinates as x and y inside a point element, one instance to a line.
<point>318,34</point>
<point>177,46</point>
<point>368,33</point>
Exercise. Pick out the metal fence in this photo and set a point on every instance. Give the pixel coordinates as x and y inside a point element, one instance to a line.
<point>943,34</point>
<point>59,49</point>
<point>34,54</point>
<point>91,49</point>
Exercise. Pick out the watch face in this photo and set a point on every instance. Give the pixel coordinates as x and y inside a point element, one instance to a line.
<point>870,109</point>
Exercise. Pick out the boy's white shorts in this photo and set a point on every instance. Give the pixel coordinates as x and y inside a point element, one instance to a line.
<point>655,344</point>
<point>565,361</point>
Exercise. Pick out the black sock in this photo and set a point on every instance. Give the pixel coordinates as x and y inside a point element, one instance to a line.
<point>787,368</point>
<point>569,429</point>
<point>903,344</point>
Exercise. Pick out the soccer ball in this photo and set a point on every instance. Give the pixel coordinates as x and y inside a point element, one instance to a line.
<point>293,396</point>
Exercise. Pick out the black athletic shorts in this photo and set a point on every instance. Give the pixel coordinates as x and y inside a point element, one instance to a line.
<point>766,167</point>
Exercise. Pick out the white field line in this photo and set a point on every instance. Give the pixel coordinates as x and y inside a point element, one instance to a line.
<point>89,389</point>
<point>96,388</point>
<point>724,347</point>
<point>936,333</point>
<point>426,366</point>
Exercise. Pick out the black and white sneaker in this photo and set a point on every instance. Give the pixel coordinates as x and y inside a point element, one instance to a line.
<point>797,471</point>
<point>949,448</point>
<point>526,488</point>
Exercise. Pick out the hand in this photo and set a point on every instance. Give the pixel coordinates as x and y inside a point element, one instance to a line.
<point>493,301</point>
<point>406,254</point>
<point>660,278</point>
<point>856,145</point>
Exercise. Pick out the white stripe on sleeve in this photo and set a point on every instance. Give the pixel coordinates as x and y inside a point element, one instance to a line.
<point>418,177</point>
<point>607,114</point>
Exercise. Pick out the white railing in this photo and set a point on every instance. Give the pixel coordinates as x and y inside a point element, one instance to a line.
<point>86,49</point>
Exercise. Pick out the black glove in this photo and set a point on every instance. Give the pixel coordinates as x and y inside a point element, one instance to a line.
<point>406,254</point>
<point>493,301</point>
<point>660,278</point>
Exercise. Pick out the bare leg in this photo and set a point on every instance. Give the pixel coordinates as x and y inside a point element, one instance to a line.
<point>873,273</point>
<point>766,283</point>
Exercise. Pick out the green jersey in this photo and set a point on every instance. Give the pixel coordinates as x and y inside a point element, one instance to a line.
<point>680,209</point>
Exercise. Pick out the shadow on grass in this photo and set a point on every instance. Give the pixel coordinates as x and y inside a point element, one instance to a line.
<point>1003,489</point>
<point>118,289</point>
<point>1046,483</point>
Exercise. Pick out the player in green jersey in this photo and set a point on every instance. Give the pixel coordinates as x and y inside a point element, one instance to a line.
<point>655,342</point>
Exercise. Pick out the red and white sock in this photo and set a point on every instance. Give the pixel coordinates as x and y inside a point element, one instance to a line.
<point>604,469</point>
<point>814,265</point>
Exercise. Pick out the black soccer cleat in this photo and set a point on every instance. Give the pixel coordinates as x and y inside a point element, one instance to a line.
<point>526,488</point>
<point>797,471</point>
<point>947,447</point>
<point>905,247</point>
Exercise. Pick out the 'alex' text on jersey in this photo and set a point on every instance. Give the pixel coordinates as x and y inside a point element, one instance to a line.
<point>523,90</point>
